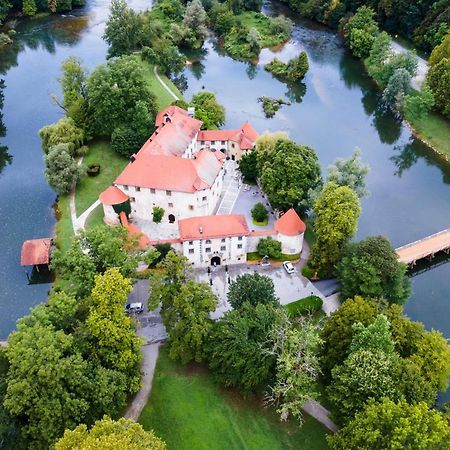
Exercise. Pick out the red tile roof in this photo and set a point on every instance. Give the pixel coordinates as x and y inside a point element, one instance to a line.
<point>134,230</point>
<point>244,136</point>
<point>113,196</point>
<point>262,233</point>
<point>172,137</point>
<point>36,251</point>
<point>172,173</point>
<point>210,227</point>
<point>290,224</point>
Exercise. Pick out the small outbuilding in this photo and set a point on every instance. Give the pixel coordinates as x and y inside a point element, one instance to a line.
<point>36,252</point>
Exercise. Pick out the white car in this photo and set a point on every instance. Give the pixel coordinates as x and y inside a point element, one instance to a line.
<point>135,308</point>
<point>288,267</point>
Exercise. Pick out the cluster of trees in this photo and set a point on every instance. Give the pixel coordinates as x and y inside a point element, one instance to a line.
<point>294,70</point>
<point>438,76</point>
<point>252,347</point>
<point>378,363</point>
<point>245,30</point>
<point>32,7</point>
<point>114,101</point>
<point>208,110</point>
<point>425,22</point>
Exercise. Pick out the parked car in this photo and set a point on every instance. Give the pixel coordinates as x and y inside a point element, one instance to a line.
<point>134,308</point>
<point>288,267</point>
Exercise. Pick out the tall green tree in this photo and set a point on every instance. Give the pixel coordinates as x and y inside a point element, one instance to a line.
<point>336,218</point>
<point>252,288</point>
<point>438,78</point>
<point>72,81</point>
<point>247,166</point>
<point>62,172</point>
<point>297,366</point>
<point>288,174</point>
<point>119,96</point>
<point>374,337</point>
<point>112,435</point>
<point>399,85</point>
<point>112,334</point>
<point>191,324</point>
<point>195,20</point>
<point>93,252</point>
<point>371,268</point>
<point>64,131</point>
<point>403,426</point>
<point>239,347</point>
<point>123,29</point>
<point>208,109</point>
<point>350,172</point>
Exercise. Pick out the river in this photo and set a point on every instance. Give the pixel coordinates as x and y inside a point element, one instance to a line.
<point>334,110</point>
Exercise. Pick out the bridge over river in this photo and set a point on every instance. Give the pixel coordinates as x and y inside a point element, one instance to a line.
<point>425,248</point>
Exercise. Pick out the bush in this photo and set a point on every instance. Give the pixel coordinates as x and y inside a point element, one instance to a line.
<point>293,70</point>
<point>259,213</point>
<point>93,170</point>
<point>308,272</point>
<point>306,305</point>
<point>269,247</point>
<point>125,141</point>
<point>158,214</point>
<point>62,132</point>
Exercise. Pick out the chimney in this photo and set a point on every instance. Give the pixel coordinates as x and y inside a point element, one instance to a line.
<point>200,229</point>
<point>133,157</point>
<point>191,112</point>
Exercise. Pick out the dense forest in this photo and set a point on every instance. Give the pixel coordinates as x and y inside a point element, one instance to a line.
<point>425,22</point>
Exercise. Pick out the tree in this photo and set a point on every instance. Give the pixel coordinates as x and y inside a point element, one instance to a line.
<point>374,337</point>
<point>195,19</point>
<point>190,323</point>
<point>403,425</point>
<point>407,61</point>
<point>46,382</point>
<point>29,7</point>
<point>120,96</point>
<point>371,268</point>
<point>269,247</point>
<point>419,105</point>
<point>93,252</point>
<point>126,141</point>
<point>247,166</point>
<point>165,55</point>
<point>62,172</point>
<point>399,85</point>
<point>365,374</point>
<point>297,67</point>
<point>112,335</point>
<point>239,347</point>
<point>336,218</point>
<point>288,173</point>
<point>208,109</point>
<point>112,435</point>
<point>254,40</point>
<point>438,78</point>
<point>252,288</point>
<point>259,213</point>
<point>350,172</point>
<point>297,366</point>
<point>158,214</point>
<point>441,51</point>
<point>281,25</point>
<point>265,147</point>
<point>379,54</point>
<point>360,31</point>
<point>64,131</point>
<point>123,29</point>
<point>72,81</point>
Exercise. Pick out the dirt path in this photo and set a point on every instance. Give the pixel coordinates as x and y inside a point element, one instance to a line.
<point>150,356</point>
<point>164,85</point>
<point>321,414</point>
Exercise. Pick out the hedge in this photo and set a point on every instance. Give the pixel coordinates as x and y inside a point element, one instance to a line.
<point>309,304</point>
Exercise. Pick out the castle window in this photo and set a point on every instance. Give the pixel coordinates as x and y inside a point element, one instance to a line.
<point>191,251</point>
<point>223,240</point>
<point>208,241</point>
<point>125,187</point>
<point>207,249</point>
<point>132,199</point>
<point>222,142</point>
<point>223,248</point>
<point>191,207</point>
<point>170,205</point>
<point>169,193</point>
<point>240,238</point>
<point>204,198</point>
<point>152,191</point>
<point>239,246</point>
<point>138,189</point>
<point>191,242</point>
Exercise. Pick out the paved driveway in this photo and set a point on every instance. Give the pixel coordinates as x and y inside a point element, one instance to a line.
<point>288,288</point>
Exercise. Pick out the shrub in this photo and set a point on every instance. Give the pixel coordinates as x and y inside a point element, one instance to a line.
<point>125,141</point>
<point>308,272</point>
<point>62,132</point>
<point>293,70</point>
<point>269,247</point>
<point>93,170</point>
<point>259,213</point>
<point>305,305</point>
<point>158,214</point>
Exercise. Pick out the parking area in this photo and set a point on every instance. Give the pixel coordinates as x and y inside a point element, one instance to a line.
<point>288,287</point>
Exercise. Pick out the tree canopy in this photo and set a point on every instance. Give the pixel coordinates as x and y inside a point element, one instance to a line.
<point>403,426</point>
<point>252,288</point>
<point>108,434</point>
<point>208,109</point>
<point>371,268</point>
<point>336,212</point>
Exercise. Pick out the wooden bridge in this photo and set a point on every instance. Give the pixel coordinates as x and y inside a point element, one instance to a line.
<point>425,248</point>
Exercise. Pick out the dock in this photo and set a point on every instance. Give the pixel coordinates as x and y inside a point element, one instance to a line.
<point>424,248</point>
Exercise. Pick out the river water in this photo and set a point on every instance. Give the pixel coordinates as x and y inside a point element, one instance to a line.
<point>336,109</point>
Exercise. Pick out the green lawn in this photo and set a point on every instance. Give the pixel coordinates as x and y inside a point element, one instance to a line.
<point>310,236</point>
<point>64,230</point>
<point>435,129</point>
<point>111,164</point>
<point>95,218</point>
<point>189,411</point>
<point>252,19</point>
<point>162,96</point>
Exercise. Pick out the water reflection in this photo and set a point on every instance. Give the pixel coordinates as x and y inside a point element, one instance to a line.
<point>5,157</point>
<point>295,92</point>
<point>252,70</point>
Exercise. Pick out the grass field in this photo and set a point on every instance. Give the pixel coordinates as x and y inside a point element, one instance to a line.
<point>111,164</point>
<point>435,129</point>
<point>189,411</point>
<point>95,218</point>
<point>64,230</point>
